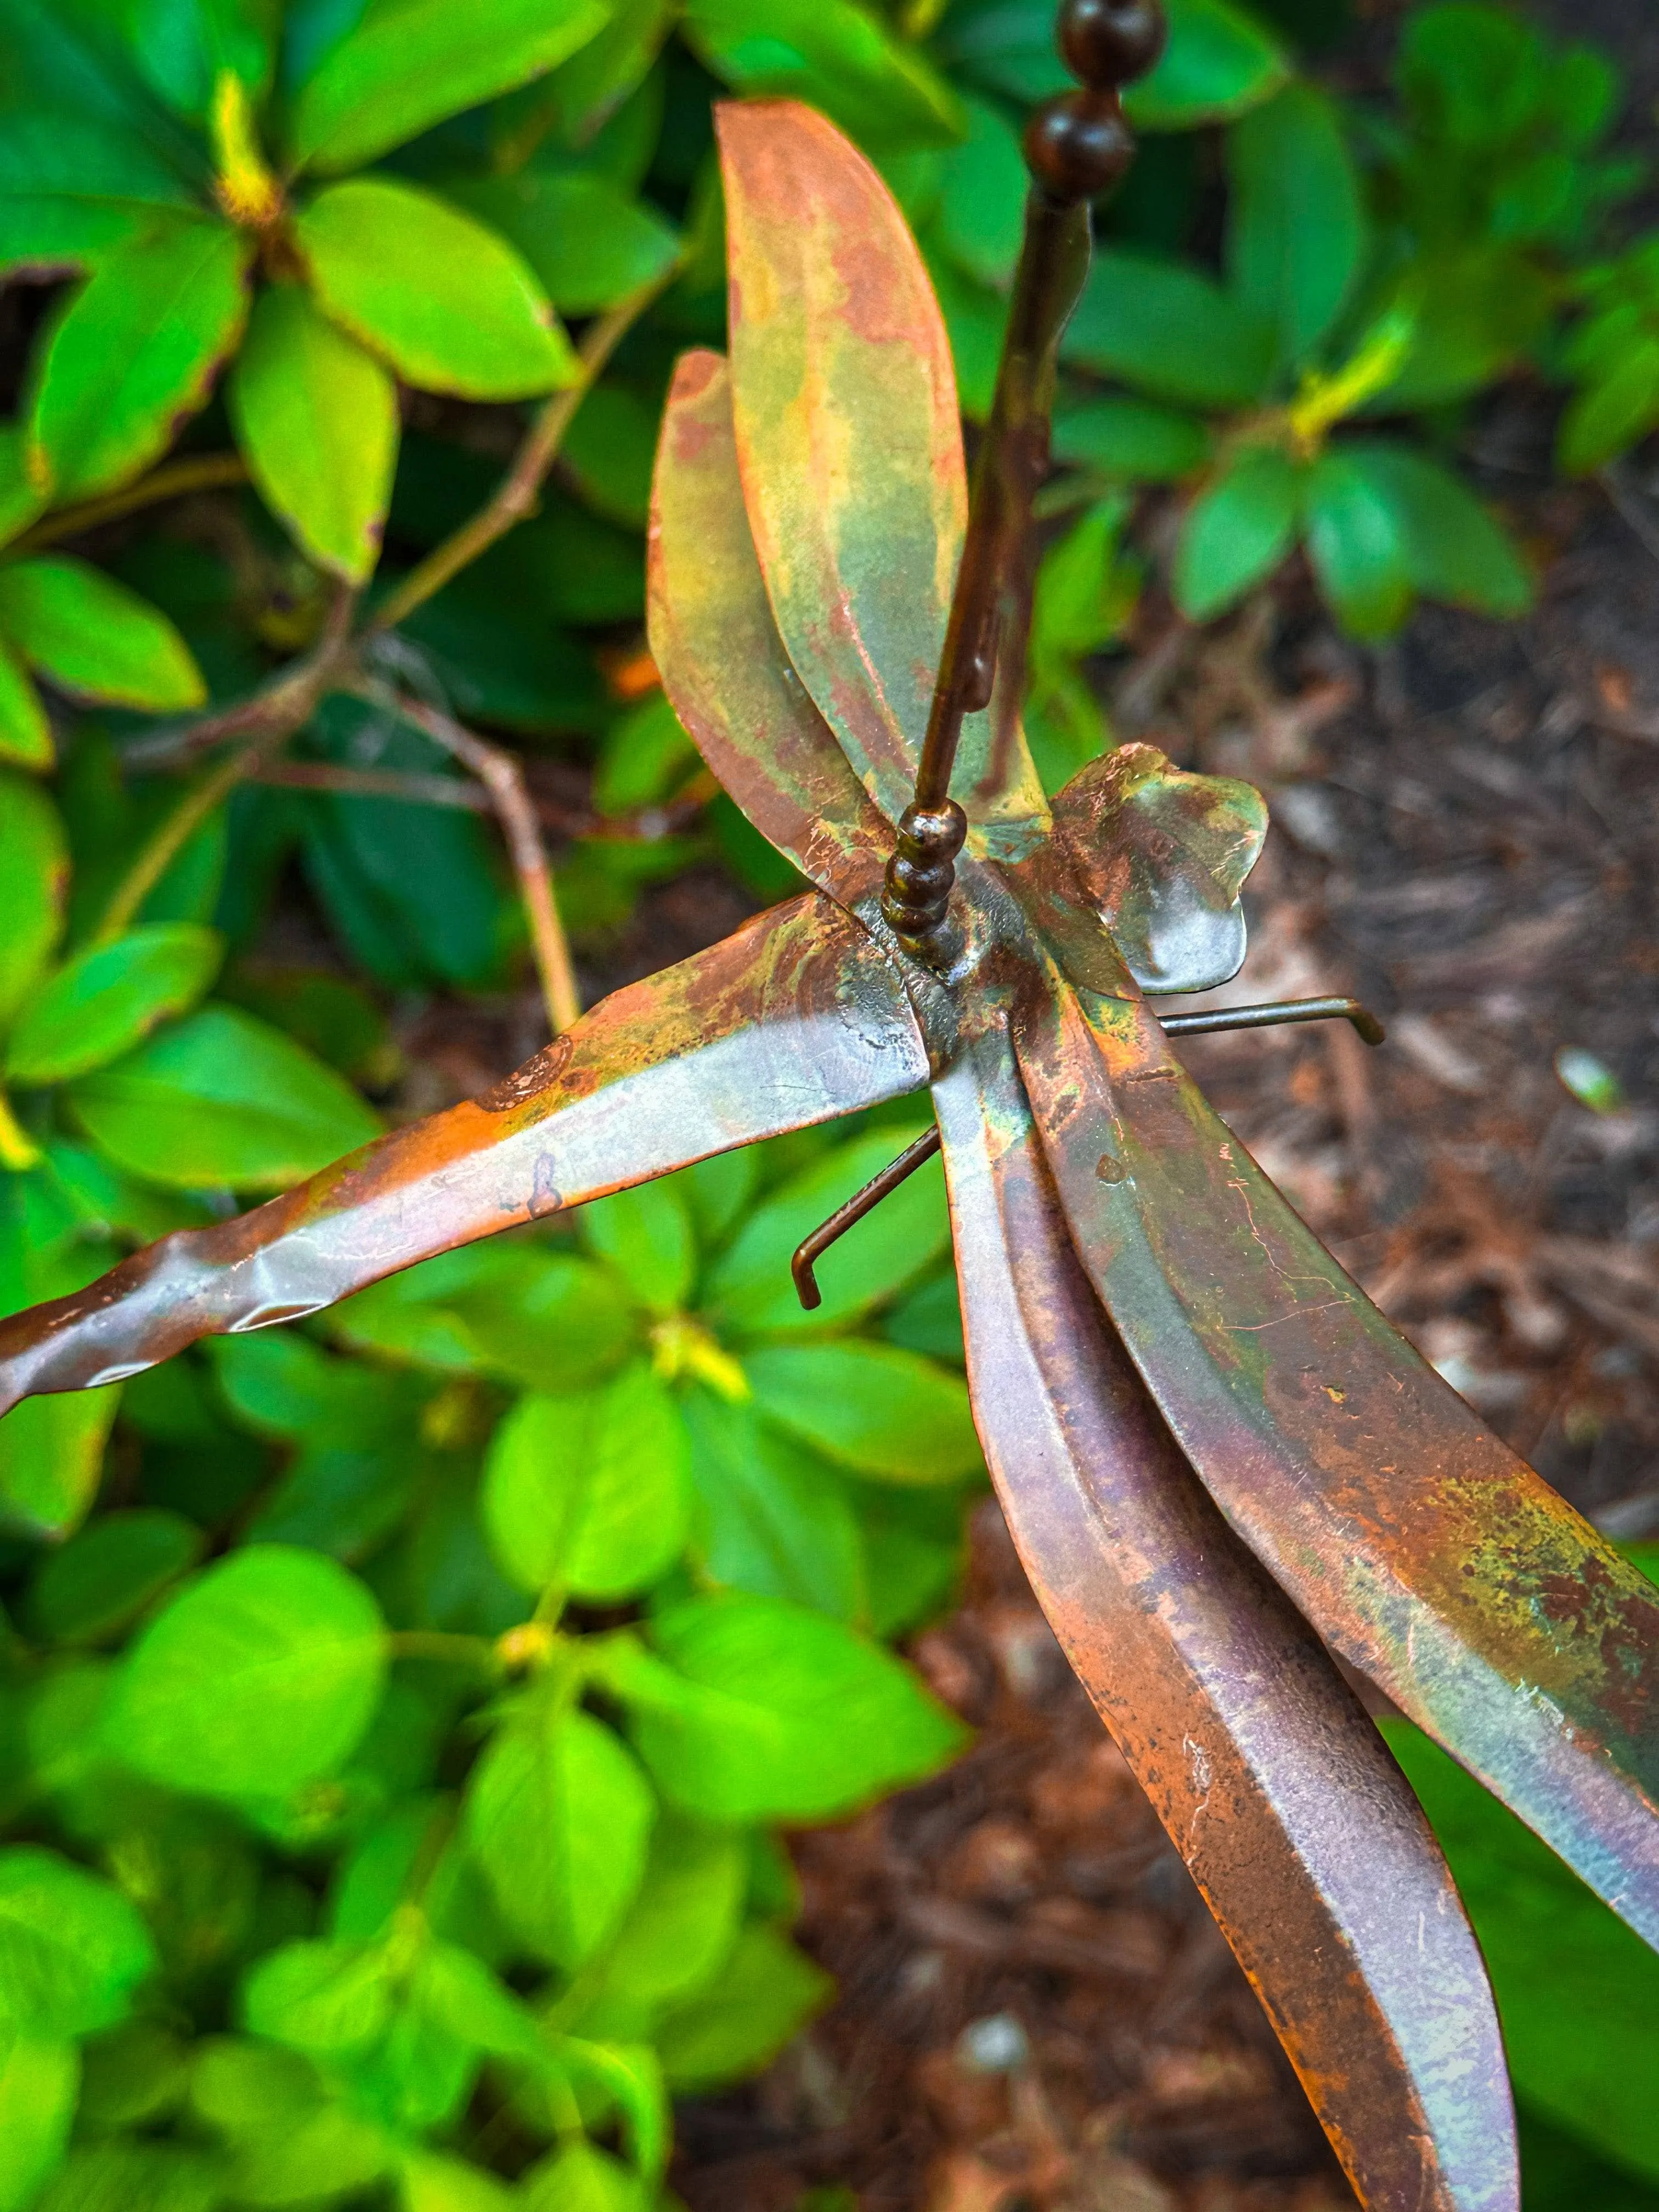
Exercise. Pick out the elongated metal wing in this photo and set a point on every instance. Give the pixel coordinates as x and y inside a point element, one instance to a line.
<point>1420,1547</point>
<point>1275,1788</point>
<point>722,662</point>
<point>795,1018</point>
<point>850,448</point>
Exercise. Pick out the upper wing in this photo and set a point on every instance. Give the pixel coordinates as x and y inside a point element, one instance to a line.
<point>795,1018</point>
<point>1277,1790</point>
<point>850,448</point>
<point>1417,1544</point>
<point>723,663</point>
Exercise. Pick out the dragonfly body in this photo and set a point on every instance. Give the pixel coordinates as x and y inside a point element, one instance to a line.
<point>1219,1461</point>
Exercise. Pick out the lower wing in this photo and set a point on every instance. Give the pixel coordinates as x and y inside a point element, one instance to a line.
<point>1277,1790</point>
<point>1416,1542</point>
<point>795,1018</point>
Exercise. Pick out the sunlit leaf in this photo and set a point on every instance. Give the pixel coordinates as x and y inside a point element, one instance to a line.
<point>25,733</point>
<point>104,1576</point>
<point>52,1454</point>
<point>880,1411</point>
<point>1236,532</point>
<point>834,54</point>
<point>34,881</point>
<point>72,1949</point>
<point>1219,62</point>
<point>765,1994</point>
<point>92,636</point>
<point>590,243</point>
<point>770,1519</point>
<point>38,2077</point>
<point>109,998</point>
<point>261,1675</point>
<point>646,1235</point>
<point>182,45</point>
<point>682,1922</point>
<point>137,348</point>
<point>316,418</point>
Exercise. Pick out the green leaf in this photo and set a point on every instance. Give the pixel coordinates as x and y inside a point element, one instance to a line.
<point>182,46</point>
<point>869,1406</point>
<point>1131,439</point>
<point>1296,229</point>
<point>764,1997</point>
<point>771,1520</point>
<point>834,54</point>
<point>1357,546</point>
<point>1454,549</point>
<point>261,1675</point>
<point>23,489</point>
<point>588,1493</point>
<point>72,1949</point>
<point>403,67</point>
<point>220,1099</point>
<point>137,348</point>
<point>1171,331</point>
<point>1612,411</point>
<point>25,731</point>
<point>452,306</point>
<point>1218,63</point>
<point>51,1455</point>
<point>316,418</point>
<point>682,1923</point>
<point>581,2178</point>
<point>110,997</point>
<point>1237,531</point>
<point>610,451</point>
<point>766,1711</point>
<point>280,1385</point>
<point>94,638</point>
<point>1577,1990</point>
<point>133,2175</point>
<point>545,1320</point>
<point>49,152</point>
<point>325,1999</point>
<point>914,1544</point>
<point>590,243</point>
<point>110,1571</point>
<point>644,757</point>
<point>1085,591</point>
<point>749,1291</point>
<point>559,1816</point>
<point>645,1235</point>
<point>431,2184</point>
<point>982,189</point>
<point>38,2078</point>
<point>34,885</point>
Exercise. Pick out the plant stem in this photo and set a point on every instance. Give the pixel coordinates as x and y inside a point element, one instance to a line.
<point>515,496</point>
<point>172,834</point>
<point>196,473</point>
<point>501,774</point>
<point>376,783</point>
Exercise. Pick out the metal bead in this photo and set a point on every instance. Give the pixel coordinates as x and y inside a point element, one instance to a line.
<point>1078,146</point>
<point>922,869</point>
<point>1110,42</point>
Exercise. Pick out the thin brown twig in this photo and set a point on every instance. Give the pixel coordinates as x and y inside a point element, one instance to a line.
<point>501,773</point>
<point>377,783</point>
<point>175,831</point>
<point>195,472</point>
<point>280,707</point>
<point>516,496</point>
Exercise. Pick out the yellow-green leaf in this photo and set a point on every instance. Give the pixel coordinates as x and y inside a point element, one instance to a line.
<point>94,638</point>
<point>316,418</point>
<point>34,881</point>
<point>25,733</point>
<point>109,998</point>
<point>450,305</point>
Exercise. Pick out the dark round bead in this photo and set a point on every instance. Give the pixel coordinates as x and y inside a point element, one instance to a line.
<point>1079,146</point>
<point>933,833</point>
<point>1109,42</point>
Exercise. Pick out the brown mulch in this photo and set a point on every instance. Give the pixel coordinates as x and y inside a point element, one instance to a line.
<point>1036,2013</point>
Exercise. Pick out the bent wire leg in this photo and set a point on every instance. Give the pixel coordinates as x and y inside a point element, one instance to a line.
<point>1273,1785</point>
<point>1421,1548</point>
<point>796,1017</point>
<point>1273,1014</point>
<point>812,1249</point>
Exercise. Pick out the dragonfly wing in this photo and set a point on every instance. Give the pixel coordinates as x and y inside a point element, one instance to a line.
<point>1417,1543</point>
<point>796,1017</point>
<point>723,663</point>
<point>850,449</point>
<point>1279,1793</point>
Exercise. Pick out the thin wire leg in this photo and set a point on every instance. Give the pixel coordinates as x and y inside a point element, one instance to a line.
<point>1277,1010</point>
<point>861,1202</point>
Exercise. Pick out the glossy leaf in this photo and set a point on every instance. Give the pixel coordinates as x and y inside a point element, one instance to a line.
<point>1130,438</point>
<point>25,733</point>
<point>1454,549</point>
<point>1169,330</point>
<point>51,1458</point>
<point>589,243</point>
<point>401,69</point>
<point>880,1411</point>
<point>91,636</point>
<point>766,1994</point>
<point>681,1925</point>
<point>1357,544</point>
<point>34,883</point>
<point>766,1711</point>
<point>448,304</point>
<point>646,1235</point>
<point>316,418</point>
<point>1219,62</point>
<point>834,54</point>
<point>110,997</point>
<point>109,1572</point>
<point>72,1949</point>
<point>1236,532</point>
<point>982,188</point>
<point>183,45</point>
<point>559,1816</point>
<point>220,1099</point>
<point>262,1674</point>
<point>137,348</point>
<point>1296,231</point>
<point>588,1493</point>
<point>325,1999</point>
<point>770,1519</point>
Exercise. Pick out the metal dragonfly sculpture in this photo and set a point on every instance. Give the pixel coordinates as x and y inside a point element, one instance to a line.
<point>1220,1464</point>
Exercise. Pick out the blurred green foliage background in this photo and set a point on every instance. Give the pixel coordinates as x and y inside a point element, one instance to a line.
<point>400,1711</point>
